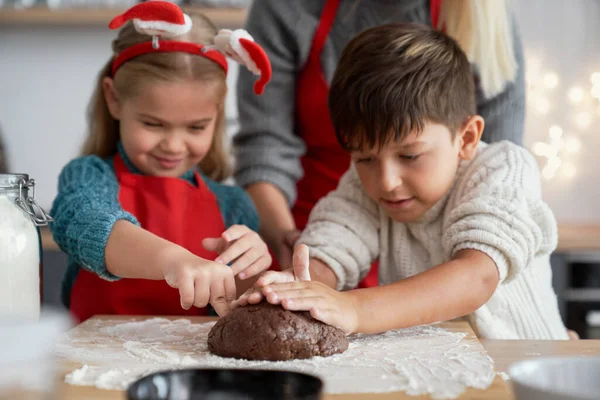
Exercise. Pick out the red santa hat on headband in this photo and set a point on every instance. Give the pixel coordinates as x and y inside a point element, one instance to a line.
<point>155,18</point>
<point>164,19</point>
<point>240,46</point>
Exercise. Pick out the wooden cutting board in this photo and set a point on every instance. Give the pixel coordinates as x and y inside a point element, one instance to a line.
<point>89,333</point>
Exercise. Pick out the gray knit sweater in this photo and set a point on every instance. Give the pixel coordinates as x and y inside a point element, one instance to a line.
<point>268,147</point>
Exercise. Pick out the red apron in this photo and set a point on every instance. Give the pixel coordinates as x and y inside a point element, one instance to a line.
<point>325,161</point>
<point>171,208</point>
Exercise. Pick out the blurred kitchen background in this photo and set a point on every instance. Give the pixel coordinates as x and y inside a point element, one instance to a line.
<point>51,51</point>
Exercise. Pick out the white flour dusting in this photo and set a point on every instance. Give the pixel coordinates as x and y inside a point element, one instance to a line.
<point>420,360</point>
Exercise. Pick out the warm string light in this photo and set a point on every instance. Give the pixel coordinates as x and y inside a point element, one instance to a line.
<point>558,148</point>
<point>576,95</point>
<point>595,91</point>
<point>583,119</point>
<point>554,150</point>
<point>538,88</point>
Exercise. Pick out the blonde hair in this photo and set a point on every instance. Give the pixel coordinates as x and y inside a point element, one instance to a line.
<point>103,135</point>
<point>482,29</point>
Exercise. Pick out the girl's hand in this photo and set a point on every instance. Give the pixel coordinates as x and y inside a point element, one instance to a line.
<point>244,247</point>
<point>199,281</point>
<point>299,272</point>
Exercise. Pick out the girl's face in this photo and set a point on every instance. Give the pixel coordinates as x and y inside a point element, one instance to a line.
<point>168,127</point>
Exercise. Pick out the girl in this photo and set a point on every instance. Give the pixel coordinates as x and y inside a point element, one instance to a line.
<point>147,229</point>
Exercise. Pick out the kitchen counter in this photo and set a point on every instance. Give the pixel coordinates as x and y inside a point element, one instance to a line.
<point>502,352</point>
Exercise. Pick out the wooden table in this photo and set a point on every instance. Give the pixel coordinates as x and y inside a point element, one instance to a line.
<point>502,352</point>
<point>574,237</point>
<point>506,352</point>
<point>498,389</point>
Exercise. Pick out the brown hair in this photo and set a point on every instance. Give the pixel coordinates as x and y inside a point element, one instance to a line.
<point>393,78</point>
<point>103,135</point>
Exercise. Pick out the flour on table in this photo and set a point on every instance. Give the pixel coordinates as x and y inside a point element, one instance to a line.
<point>420,360</point>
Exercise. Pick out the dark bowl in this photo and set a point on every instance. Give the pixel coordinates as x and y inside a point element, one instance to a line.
<point>226,384</point>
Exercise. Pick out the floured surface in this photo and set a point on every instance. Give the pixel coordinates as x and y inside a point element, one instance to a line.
<point>421,360</point>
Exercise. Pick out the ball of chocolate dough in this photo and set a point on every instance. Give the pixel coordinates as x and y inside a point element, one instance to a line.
<point>268,332</point>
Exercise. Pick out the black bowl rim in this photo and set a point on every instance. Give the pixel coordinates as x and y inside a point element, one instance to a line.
<point>315,378</point>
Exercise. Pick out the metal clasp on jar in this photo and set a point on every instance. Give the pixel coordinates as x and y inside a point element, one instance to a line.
<point>29,205</point>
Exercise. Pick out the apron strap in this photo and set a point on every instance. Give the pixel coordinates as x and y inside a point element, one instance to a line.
<point>324,27</point>
<point>200,183</point>
<point>328,16</point>
<point>434,7</point>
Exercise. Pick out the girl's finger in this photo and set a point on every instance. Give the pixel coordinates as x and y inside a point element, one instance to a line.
<point>240,302</point>
<point>201,293</point>
<point>255,298</point>
<point>272,298</point>
<point>260,265</point>
<point>235,232</point>
<point>235,250</point>
<point>186,293</point>
<point>245,261</point>
<point>214,244</point>
<point>243,299</point>
<point>217,297</point>
<point>230,289</point>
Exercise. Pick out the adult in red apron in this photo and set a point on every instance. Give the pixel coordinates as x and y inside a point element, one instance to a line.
<point>171,208</point>
<point>325,161</point>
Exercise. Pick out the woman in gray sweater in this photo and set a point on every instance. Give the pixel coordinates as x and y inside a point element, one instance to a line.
<point>286,152</point>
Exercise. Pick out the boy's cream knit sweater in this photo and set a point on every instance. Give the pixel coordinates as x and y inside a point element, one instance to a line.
<point>494,206</point>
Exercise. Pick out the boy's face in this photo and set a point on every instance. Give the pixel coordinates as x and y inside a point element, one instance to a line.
<point>407,178</point>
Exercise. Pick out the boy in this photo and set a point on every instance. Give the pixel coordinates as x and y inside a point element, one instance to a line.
<point>458,226</point>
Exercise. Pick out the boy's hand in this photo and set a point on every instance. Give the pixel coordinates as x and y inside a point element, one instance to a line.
<point>301,294</point>
<point>244,247</point>
<point>339,309</point>
<point>199,281</point>
<point>299,272</point>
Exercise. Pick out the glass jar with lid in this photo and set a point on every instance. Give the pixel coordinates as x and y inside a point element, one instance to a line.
<point>20,247</point>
